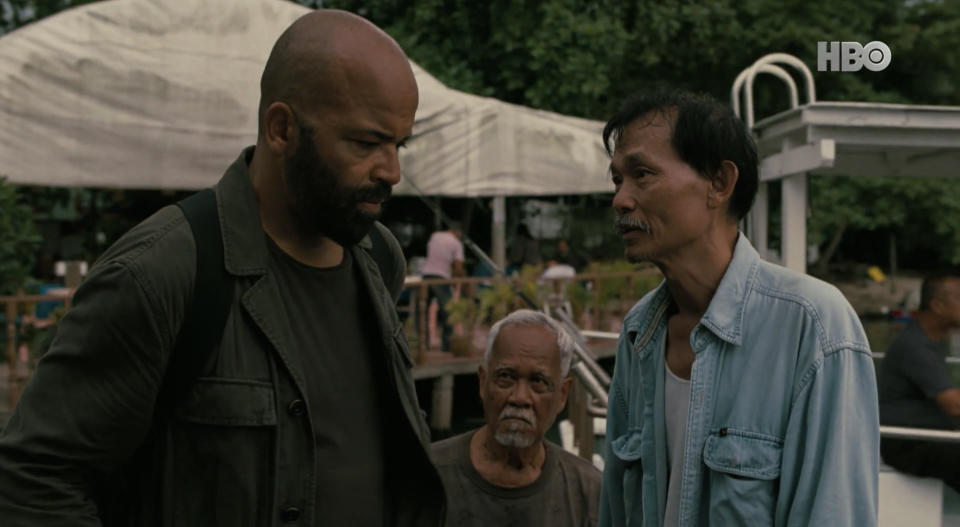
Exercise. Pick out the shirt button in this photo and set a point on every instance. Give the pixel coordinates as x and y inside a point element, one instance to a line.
<point>297,407</point>
<point>290,514</point>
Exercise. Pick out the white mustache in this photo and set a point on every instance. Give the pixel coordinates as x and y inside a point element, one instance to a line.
<point>519,413</point>
<point>626,223</point>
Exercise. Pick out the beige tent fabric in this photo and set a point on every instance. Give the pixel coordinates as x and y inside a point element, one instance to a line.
<point>163,94</point>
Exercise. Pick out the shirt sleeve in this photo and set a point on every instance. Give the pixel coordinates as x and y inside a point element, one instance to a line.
<point>88,406</point>
<point>927,370</point>
<point>831,449</point>
<point>612,505</point>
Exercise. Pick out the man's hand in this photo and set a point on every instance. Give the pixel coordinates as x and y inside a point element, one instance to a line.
<point>949,400</point>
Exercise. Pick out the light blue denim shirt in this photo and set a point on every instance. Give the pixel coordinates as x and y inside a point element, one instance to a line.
<point>783,422</point>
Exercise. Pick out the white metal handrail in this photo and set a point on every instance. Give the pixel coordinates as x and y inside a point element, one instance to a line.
<point>773,69</point>
<point>903,432</point>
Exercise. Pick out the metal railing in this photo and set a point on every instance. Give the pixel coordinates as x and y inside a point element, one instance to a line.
<point>926,434</point>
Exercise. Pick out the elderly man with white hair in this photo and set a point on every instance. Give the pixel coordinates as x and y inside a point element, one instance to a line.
<point>505,473</point>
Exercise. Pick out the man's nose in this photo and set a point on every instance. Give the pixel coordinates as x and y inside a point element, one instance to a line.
<point>388,170</point>
<point>521,395</point>
<point>623,200</point>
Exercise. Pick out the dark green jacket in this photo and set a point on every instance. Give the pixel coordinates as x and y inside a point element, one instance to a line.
<point>239,449</point>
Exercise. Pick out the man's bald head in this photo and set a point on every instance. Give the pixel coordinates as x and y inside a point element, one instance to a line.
<point>323,57</point>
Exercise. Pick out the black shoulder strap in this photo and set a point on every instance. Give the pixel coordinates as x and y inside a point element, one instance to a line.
<point>383,256</point>
<point>206,315</point>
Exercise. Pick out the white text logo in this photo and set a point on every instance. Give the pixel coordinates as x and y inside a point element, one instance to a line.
<point>851,56</point>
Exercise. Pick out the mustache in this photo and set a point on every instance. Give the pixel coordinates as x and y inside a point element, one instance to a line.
<point>518,413</point>
<point>379,191</point>
<point>623,224</point>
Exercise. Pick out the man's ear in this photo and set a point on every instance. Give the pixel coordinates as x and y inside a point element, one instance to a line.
<point>481,378</point>
<point>280,128</point>
<point>936,306</point>
<point>565,390</point>
<point>722,184</point>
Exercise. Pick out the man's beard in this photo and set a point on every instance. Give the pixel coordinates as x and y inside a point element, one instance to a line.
<point>321,205</point>
<point>516,435</point>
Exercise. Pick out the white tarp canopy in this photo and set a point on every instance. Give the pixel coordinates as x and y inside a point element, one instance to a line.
<point>163,94</point>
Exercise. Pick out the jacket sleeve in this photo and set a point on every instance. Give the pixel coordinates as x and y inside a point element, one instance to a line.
<point>831,449</point>
<point>88,405</point>
<point>612,513</point>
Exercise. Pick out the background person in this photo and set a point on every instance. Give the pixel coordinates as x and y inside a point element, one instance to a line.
<point>445,261</point>
<point>505,473</point>
<point>916,389</point>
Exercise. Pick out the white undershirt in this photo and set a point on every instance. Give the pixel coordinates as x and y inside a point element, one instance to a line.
<point>676,403</point>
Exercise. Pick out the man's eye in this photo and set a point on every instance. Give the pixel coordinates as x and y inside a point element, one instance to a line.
<point>540,385</point>
<point>365,144</point>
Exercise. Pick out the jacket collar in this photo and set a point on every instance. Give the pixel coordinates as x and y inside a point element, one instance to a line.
<point>244,240</point>
<point>725,313</point>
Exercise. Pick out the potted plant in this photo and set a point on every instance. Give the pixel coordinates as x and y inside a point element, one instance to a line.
<point>462,315</point>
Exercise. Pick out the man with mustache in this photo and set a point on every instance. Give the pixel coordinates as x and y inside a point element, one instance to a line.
<point>743,393</point>
<point>305,413</point>
<point>505,473</point>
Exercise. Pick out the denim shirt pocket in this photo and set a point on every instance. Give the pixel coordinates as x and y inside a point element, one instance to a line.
<point>628,451</point>
<point>742,463</point>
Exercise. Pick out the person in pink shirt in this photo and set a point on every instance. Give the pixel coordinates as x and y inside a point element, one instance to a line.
<point>444,260</point>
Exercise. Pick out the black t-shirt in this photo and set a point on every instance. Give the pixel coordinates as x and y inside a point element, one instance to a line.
<point>912,373</point>
<point>338,345</point>
<point>566,494</point>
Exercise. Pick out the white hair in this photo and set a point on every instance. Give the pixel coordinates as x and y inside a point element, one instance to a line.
<point>529,317</point>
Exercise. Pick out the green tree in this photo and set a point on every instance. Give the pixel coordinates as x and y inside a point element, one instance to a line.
<point>17,13</point>
<point>19,239</point>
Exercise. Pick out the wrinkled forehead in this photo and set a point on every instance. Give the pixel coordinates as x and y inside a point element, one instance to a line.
<point>530,347</point>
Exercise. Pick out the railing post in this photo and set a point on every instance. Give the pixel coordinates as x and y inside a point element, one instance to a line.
<point>11,313</point>
<point>581,420</point>
<point>442,415</point>
<point>421,322</point>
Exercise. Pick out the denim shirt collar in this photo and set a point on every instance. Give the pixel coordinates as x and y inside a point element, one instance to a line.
<point>725,314</point>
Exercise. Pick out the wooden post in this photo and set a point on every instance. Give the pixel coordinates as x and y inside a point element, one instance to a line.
<point>11,313</point>
<point>442,414</point>
<point>422,335</point>
<point>582,422</point>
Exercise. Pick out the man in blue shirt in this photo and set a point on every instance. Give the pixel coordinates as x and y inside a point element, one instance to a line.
<point>743,393</point>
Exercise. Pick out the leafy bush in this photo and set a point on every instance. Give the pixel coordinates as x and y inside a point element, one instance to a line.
<point>19,239</point>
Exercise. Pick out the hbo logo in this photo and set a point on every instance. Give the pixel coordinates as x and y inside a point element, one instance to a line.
<point>851,56</point>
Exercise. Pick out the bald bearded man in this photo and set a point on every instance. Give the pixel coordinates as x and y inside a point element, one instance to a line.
<point>305,413</point>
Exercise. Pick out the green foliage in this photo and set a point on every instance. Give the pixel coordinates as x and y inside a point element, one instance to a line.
<point>16,13</point>
<point>19,239</point>
<point>924,213</point>
<point>623,289</point>
<point>560,55</point>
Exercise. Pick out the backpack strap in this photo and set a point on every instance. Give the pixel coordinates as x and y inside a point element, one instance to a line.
<point>206,315</point>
